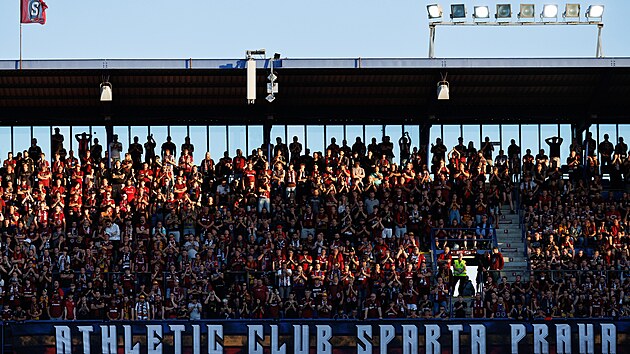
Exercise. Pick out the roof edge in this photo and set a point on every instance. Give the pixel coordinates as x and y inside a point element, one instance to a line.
<point>313,63</point>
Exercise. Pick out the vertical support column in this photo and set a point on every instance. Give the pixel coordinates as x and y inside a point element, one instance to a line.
<point>364,134</point>
<point>600,51</point>
<point>207,138</point>
<point>431,41</point>
<point>267,135</point>
<point>50,153</point>
<point>246,152</point>
<point>109,131</point>
<point>227,140</point>
<point>425,141</point>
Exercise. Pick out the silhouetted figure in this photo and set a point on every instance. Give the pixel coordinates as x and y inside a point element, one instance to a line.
<point>84,143</point>
<point>56,144</point>
<point>554,143</point>
<point>359,147</point>
<point>136,151</point>
<point>606,150</point>
<point>96,151</point>
<point>187,145</point>
<point>295,148</point>
<point>35,152</point>
<point>170,146</point>
<point>149,149</point>
<point>115,148</point>
<point>405,148</point>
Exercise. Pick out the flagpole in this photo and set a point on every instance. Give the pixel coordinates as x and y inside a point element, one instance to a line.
<point>20,44</point>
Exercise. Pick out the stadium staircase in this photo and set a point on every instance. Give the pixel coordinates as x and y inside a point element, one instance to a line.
<point>512,246</point>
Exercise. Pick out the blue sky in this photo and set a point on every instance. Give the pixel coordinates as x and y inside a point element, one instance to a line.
<point>297,29</point>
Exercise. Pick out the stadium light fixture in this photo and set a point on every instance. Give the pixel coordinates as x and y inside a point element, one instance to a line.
<point>595,11</point>
<point>443,88</point>
<point>106,91</point>
<point>504,11</point>
<point>481,13</point>
<point>549,12</point>
<point>571,11</point>
<point>527,11</point>
<point>435,11</point>
<point>527,16</point>
<point>458,12</point>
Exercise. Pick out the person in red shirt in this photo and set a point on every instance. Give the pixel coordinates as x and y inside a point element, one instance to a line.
<point>496,263</point>
<point>56,307</point>
<point>69,309</point>
<point>249,176</point>
<point>58,218</point>
<point>307,305</point>
<point>372,308</point>
<point>260,291</point>
<point>113,311</point>
<point>239,164</point>
<point>129,191</point>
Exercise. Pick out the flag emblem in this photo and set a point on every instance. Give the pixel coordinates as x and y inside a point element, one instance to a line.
<point>34,11</point>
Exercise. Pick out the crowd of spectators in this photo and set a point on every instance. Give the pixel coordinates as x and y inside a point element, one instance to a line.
<point>146,234</point>
<point>575,230</point>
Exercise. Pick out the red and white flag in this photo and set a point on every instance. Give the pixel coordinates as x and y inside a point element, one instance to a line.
<point>33,11</point>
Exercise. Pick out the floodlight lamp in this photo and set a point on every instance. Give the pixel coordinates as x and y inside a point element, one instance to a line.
<point>504,11</point>
<point>482,12</point>
<point>572,11</point>
<point>595,11</point>
<point>443,90</point>
<point>527,11</point>
<point>458,12</point>
<point>106,92</point>
<point>549,11</point>
<point>434,11</point>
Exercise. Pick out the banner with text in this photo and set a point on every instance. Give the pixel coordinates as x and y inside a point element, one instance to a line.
<point>317,336</point>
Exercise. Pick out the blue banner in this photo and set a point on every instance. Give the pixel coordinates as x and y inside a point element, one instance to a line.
<point>318,336</point>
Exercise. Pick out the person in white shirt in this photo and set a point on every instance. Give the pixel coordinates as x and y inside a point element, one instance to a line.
<point>112,230</point>
<point>194,309</point>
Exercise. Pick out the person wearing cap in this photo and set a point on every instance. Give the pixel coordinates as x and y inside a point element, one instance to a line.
<point>142,310</point>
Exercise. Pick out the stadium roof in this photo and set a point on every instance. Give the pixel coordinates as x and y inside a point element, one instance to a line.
<point>316,91</point>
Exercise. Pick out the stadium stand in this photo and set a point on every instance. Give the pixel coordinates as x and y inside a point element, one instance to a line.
<point>353,232</point>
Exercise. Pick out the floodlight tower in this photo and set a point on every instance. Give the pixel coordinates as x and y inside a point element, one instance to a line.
<point>550,15</point>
